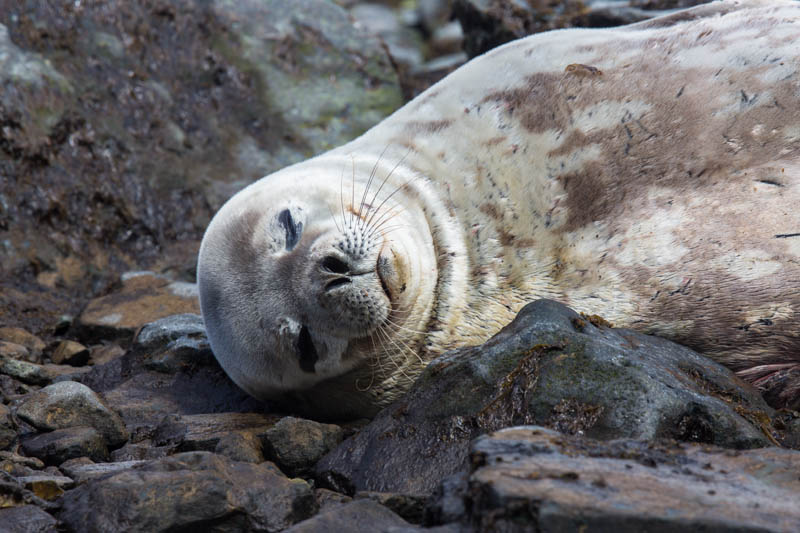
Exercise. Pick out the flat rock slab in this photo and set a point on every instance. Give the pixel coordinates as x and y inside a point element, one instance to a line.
<point>532,478</point>
<point>81,473</point>
<point>204,431</point>
<point>143,298</point>
<point>552,367</point>
<point>197,490</point>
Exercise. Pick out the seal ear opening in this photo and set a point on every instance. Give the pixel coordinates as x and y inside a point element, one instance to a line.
<point>306,351</point>
<point>294,229</point>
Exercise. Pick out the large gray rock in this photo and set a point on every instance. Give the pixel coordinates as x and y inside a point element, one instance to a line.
<point>69,404</point>
<point>535,479</point>
<point>189,491</point>
<point>552,367</point>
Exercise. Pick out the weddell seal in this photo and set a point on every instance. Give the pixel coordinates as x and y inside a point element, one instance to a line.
<point>649,174</point>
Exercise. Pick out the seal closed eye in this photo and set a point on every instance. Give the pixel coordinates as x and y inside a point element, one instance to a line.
<point>293,228</point>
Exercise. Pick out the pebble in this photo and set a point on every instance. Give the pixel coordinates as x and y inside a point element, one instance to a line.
<point>70,353</point>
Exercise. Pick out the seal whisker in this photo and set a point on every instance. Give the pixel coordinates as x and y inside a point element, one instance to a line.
<point>385,180</point>
<point>372,174</point>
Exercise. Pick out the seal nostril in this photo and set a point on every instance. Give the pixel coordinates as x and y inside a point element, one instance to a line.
<point>335,265</point>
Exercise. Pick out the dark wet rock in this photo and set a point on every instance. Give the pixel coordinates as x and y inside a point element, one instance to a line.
<point>296,444</point>
<point>58,446</point>
<point>328,499</point>
<point>489,23</point>
<point>33,344</point>
<point>552,367</point>
<point>197,490</point>
<point>33,374</point>
<point>46,486</point>
<point>204,431</point>
<point>26,519</point>
<point>242,446</point>
<point>532,478</point>
<point>8,428</point>
<point>143,298</point>
<point>81,472</point>
<point>68,404</point>
<point>357,516</point>
<point>410,507</point>
<point>70,353</point>
<point>12,389</point>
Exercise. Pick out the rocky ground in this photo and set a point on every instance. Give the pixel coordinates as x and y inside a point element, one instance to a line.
<point>125,125</point>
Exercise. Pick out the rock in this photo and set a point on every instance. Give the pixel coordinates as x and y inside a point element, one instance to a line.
<point>68,404</point>
<point>141,450</point>
<point>489,23</point>
<point>404,44</point>
<point>70,353</point>
<point>175,343</point>
<point>19,336</point>
<point>143,298</point>
<point>26,519</point>
<point>46,487</point>
<point>81,472</point>
<point>554,367</point>
<point>29,462</point>
<point>296,444</point>
<point>242,446</point>
<point>60,445</point>
<point>197,490</point>
<point>13,350</point>
<point>34,374</point>
<point>12,389</point>
<point>101,354</point>
<point>328,499</point>
<point>8,429</point>
<point>410,507</point>
<point>532,478</point>
<point>357,516</point>
<point>204,431</point>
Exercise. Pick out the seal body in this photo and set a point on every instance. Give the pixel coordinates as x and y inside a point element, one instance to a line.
<point>648,173</point>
